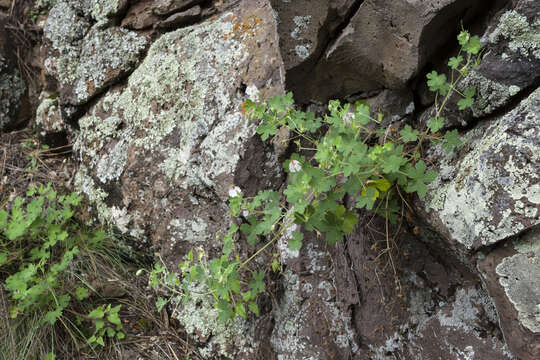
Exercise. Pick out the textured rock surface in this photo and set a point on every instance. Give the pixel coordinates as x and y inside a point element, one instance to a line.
<point>384,45</point>
<point>85,59</point>
<point>490,190</point>
<point>511,275</point>
<point>12,87</point>
<point>161,152</point>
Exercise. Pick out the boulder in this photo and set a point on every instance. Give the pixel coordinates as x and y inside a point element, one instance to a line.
<point>511,274</point>
<point>86,59</point>
<point>490,189</point>
<point>160,153</point>
<point>383,45</point>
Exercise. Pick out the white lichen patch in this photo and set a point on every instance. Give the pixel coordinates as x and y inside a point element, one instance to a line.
<point>48,117</point>
<point>494,190</point>
<point>490,95</point>
<point>466,310</point>
<point>518,275</point>
<point>200,319</point>
<point>302,24</point>
<point>193,231</point>
<point>88,57</point>
<point>523,37</point>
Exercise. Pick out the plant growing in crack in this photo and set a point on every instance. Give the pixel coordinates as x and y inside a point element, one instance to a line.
<point>345,154</point>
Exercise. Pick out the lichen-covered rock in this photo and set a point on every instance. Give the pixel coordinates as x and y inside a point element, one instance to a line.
<point>166,7</point>
<point>48,116</point>
<point>385,43</point>
<point>489,190</point>
<point>86,59</point>
<point>160,153</point>
<point>457,332</point>
<point>511,274</point>
<point>310,321</point>
<point>12,87</point>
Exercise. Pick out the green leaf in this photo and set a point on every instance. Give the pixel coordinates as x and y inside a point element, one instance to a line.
<point>437,82</point>
<point>120,335</point>
<point>100,341</point>
<point>473,46</point>
<point>451,140</point>
<point>408,134</point>
<point>114,319</point>
<point>225,311</point>
<point>463,37</point>
<point>296,242</point>
<point>468,100</point>
<point>110,332</point>
<point>81,293</point>
<point>3,258</point>
<point>349,222</point>
<point>252,305</point>
<point>333,236</point>
<point>97,313</point>
<point>454,62</point>
<point>240,310</point>
<point>257,285</point>
<point>419,178</point>
<point>435,124</point>
<point>50,356</point>
<point>52,316</point>
<point>99,324</point>
<point>393,164</point>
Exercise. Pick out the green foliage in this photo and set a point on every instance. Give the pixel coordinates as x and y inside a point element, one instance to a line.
<point>41,246</point>
<point>346,153</point>
<point>107,324</point>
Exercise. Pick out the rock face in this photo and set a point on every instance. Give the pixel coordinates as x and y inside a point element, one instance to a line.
<point>87,58</point>
<point>155,90</point>
<point>161,152</point>
<point>12,87</point>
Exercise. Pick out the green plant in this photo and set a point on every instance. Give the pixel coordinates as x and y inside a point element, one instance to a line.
<point>107,322</point>
<point>344,154</point>
<point>42,253</point>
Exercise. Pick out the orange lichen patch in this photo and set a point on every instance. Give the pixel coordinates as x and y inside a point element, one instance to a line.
<point>243,108</point>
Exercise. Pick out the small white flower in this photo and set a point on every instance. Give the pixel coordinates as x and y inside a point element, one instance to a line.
<point>348,118</point>
<point>245,213</point>
<point>295,166</point>
<point>235,191</point>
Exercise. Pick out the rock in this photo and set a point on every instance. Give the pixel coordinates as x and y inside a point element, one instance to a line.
<point>160,153</point>
<point>310,318</point>
<point>182,18</point>
<point>6,4</point>
<point>305,29</point>
<point>86,59</point>
<point>140,16</point>
<point>490,190</point>
<point>167,7</point>
<point>456,331</point>
<point>12,87</point>
<point>48,115</point>
<point>384,45</point>
<point>511,274</point>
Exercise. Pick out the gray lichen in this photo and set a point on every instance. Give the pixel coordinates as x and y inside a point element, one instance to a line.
<point>523,37</point>
<point>12,88</point>
<point>88,57</point>
<point>518,275</point>
<point>493,192</point>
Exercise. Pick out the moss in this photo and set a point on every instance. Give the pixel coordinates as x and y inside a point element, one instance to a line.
<point>523,37</point>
